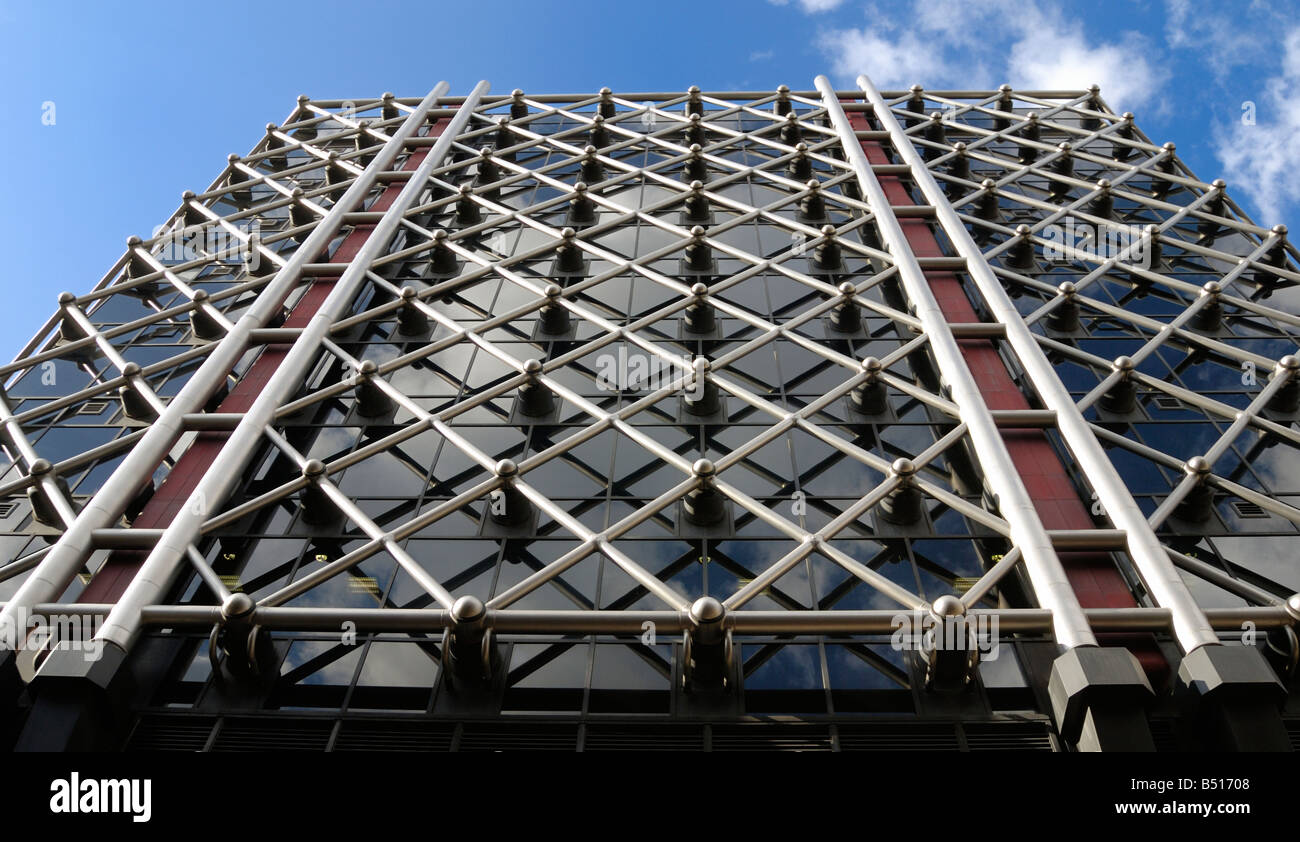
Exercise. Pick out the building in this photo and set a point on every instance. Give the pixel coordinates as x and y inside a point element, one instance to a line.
<point>790,419</point>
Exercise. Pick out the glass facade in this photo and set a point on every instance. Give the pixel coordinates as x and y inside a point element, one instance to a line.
<point>648,420</point>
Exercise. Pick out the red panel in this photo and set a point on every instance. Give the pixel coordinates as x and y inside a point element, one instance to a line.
<point>180,482</point>
<point>1093,576</point>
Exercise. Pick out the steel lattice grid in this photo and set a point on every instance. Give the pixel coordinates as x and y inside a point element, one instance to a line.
<point>1205,238</point>
<point>467,244</point>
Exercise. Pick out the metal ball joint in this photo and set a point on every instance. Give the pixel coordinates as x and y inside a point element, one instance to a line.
<point>1122,396</point>
<point>468,610</point>
<point>905,504</point>
<point>554,318</point>
<point>828,256</point>
<point>372,400</point>
<point>1064,316</point>
<point>699,316</point>
<point>518,108</point>
<point>411,320</point>
<point>568,254</point>
<point>704,505</point>
<point>592,169</point>
<point>697,169</point>
<point>872,396</point>
<point>445,261</point>
<point>702,397</point>
<point>237,606</point>
<point>800,165</point>
<point>536,399</point>
<point>1197,506</point>
<point>582,208</point>
<point>471,653</point>
<point>467,210</point>
<point>846,316</point>
<point>317,508</point>
<point>699,255</point>
<point>987,204</point>
<point>1293,606</point>
<point>791,132</point>
<point>509,507</point>
<point>948,606</point>
<point>1021,253</point>
<point>697,204</point>
<point>695,131</point>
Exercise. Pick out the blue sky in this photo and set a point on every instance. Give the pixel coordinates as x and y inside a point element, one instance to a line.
<point>149,99</point>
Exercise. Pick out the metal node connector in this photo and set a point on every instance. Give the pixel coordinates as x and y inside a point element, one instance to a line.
<point>872,396</point>
<point>509,506</point>
<point>700,315</point>
<point>1122,396</point>
<point>1198,505</point>
<point>905,504</point>
<point>568,254</point>
<point>536,399</point>
<point>372,400</point>
<point>950,648</point>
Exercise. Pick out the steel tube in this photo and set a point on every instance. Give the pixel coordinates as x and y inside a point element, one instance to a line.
<point>68,554</point>
<point>1051,585</point>
<point>1191,628</point>
<point>155,575</point>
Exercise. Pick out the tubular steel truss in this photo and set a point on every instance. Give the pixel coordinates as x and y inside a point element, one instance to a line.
<point>365,247</point>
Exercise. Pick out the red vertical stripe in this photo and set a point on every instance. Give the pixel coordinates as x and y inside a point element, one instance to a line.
<point>179,484</point>
<point>1093,575</point>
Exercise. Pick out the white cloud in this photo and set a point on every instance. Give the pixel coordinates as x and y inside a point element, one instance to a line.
<point>957,22</point>
<point>1261,159</point>
<point>811,7</point>
<point>892,61</point>
<point>1220,39</point>
<point>761,55</point>
<point>1052,53</point>
<point>941,42</point>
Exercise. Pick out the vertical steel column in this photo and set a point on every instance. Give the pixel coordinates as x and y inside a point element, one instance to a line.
<point>149,585</point>
<point>1045,571</point>
<point>68,554</point>
<point>1162,580</point>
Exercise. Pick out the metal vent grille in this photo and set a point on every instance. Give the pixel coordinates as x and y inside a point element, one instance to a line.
<point>7,507</point>
<point>1244,509</point>
<point>766,736</point>
<point>174,732</point>
<point>533,736</point>
<point>643,738</point>
<point>395,736</point>
<point>273,734</point>
<point>171,733</point>
<point>898,736</point>
<point>1009,736</point>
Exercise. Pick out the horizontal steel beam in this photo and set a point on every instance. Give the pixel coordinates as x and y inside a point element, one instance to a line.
<point>516,621</point>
